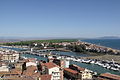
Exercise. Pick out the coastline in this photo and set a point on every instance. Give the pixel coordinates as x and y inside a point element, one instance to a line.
<point>103,43</point>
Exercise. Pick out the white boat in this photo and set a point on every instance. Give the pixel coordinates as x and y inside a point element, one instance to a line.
<point>115,69</point>
<point>92,62</point>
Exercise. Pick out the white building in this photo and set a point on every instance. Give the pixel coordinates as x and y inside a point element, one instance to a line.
<point>86,75</point>
<point>4,68</point>
<point>54,70</point>
<point>11,57</point>
<point>67,63</point>
<point>31,64</point>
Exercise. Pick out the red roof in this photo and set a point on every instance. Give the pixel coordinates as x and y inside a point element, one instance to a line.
<point>31,59</point>
<point>45,77</point>
<point>17,71</point>
<point>99,78</point>
<point>112,76</point>
<point>31,71</point>
<point>79,68</point>
<point>70,70</point>
<point>50,65</point>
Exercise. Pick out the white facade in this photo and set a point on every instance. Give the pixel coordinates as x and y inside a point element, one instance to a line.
<point>10,57</point>
<point>31,64</point>
<point>16,57</point>
<point>4,68</point>
<point>55,72</point>
<point>67,63</point>
<point>86,74</point>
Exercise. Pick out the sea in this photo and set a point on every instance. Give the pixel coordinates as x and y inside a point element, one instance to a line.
<point>112,43</point>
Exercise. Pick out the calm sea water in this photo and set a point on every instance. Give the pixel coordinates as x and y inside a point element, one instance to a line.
<point>71,54</point>
<point>112,43</point>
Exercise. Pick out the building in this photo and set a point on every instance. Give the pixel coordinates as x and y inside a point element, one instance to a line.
<point>45,77</point>
<point>11,57</point>
<point>20,65</point>
<point>78,73</point>
<point>61,62</point>
<point>108,76</point>
<point>3,67</point>
<point>31,64</point>
<point>85,73</point>
<point>32,71</point>
<point>54,70</point>
<point>71,74</point>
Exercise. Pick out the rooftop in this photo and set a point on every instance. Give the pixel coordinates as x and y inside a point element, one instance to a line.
<point>18,78</point>
<point>16,71</point>
<point>45,77</point>
<point>112,76</point>
<point>79,68</point>
<point>50,65</point>
<point>70,70</point>
<point>31,71</point>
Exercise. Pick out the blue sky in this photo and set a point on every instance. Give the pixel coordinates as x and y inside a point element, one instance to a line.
<point>59,18</point>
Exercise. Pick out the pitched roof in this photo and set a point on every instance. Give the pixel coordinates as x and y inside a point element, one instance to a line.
<point>45,77</point>
<point>13,77</point>
<point>31,59</point>
<point>50,65</point>
<point>79,68</point>
<point>31,71</point>
<point>112,76</point>
<point>99,78</point>
<point>8,73</point>
<point>16,71</point>
<point>70,70</point>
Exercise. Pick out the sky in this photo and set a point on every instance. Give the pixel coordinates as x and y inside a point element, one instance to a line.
<point>59,18</point>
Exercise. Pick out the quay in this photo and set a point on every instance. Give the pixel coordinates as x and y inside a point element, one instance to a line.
<point>103,63</point>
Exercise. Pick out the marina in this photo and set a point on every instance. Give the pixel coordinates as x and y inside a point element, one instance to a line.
<point>92,64</point>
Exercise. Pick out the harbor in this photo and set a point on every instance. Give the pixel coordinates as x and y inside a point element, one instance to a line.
<point>94,65</point>
<point>98,66</point>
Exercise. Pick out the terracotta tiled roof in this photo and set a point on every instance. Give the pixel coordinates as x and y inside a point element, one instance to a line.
<point>70,70</point>
<point>18,78</point>
<point>30,71</point>
<point>79,68</point>
<point>31,59</point>
<point>13,71</point>
<point>112,76</point>
<point>27,78</point>
<point>99,78</point>
<point>8,73</point>
<point>4,72</point>
<point>45,77</point>
<point>16,71</point>
<point>50,65</point>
